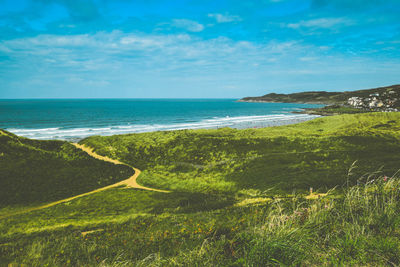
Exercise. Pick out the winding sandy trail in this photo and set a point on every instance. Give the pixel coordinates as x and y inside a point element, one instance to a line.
<point>130,182</point>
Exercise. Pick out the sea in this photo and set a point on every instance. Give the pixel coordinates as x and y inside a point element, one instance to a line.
<point>75,119</point>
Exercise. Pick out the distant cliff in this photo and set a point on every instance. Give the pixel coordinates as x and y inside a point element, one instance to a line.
<point>320,97</point>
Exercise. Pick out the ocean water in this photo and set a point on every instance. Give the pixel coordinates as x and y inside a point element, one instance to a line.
<point>68,119</point>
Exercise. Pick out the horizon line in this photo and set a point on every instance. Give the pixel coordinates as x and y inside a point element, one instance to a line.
<point>118,98</point>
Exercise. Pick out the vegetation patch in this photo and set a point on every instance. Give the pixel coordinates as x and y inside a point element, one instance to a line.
<point>238,198</point>
<point>278,159</point>
<point>33,171</point>
<point>355,226</point>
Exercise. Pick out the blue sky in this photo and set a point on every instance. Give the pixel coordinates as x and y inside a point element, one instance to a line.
<point>195,48</point>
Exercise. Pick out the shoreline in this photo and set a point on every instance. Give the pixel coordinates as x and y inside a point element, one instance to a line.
<point>280,102</point>
<point>245,122</point>
<point>325,110</point>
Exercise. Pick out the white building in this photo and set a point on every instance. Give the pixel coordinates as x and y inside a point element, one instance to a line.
<point>355,101</point>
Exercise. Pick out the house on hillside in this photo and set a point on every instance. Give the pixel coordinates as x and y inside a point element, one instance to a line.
<point>387,101</point>
<point>375,103</point>
<point>355,101</point>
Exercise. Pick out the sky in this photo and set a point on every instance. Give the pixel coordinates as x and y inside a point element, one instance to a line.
<point>195,48</point>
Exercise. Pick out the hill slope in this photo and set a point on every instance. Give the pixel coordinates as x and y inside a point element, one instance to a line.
<point>33,171</point>
<point>320,97</point>
<point>315,154</point>
<point>234,222</point>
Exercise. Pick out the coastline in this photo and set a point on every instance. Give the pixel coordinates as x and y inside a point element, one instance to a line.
<point>294,102</point>
<point>243,122</point>
<point>329,109</point>
<point>322,111</point>
<point>381,99</point>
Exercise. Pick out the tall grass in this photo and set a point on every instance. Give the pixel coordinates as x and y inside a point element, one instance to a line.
<point>311,154</point>
<point>33,171</point>
<point>359,227</point>
<point>247,222</point>
<point>356,225</point>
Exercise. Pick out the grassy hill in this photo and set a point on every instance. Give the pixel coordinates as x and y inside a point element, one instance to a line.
<point>33,171</point>
<point>238,198</point>
<point>314,154</point>
<point>320,97</point>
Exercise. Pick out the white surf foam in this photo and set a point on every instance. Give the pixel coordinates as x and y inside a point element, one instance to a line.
<point>239,122</point>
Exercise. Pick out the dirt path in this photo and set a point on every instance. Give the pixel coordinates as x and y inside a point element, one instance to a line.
<point>130,182</point>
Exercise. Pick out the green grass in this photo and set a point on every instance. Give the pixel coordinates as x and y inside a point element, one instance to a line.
<point>296,157</point>
<point>238,199</point>
<point>113,205</point>
<point>34,171</point>
<point>356,227</point>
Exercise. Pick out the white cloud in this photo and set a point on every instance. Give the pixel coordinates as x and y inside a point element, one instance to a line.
<point>321,23</point>
<point>113,60</point>
<point>223,18</point>
<point>108,55</point>
<point>117,52</point>
<point>189,25</point>
<point>91,49</point>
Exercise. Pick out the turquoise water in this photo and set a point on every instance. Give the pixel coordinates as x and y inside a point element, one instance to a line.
<point>74,119</point>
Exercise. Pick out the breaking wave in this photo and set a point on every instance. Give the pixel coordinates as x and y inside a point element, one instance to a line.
<point>240,122</point>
